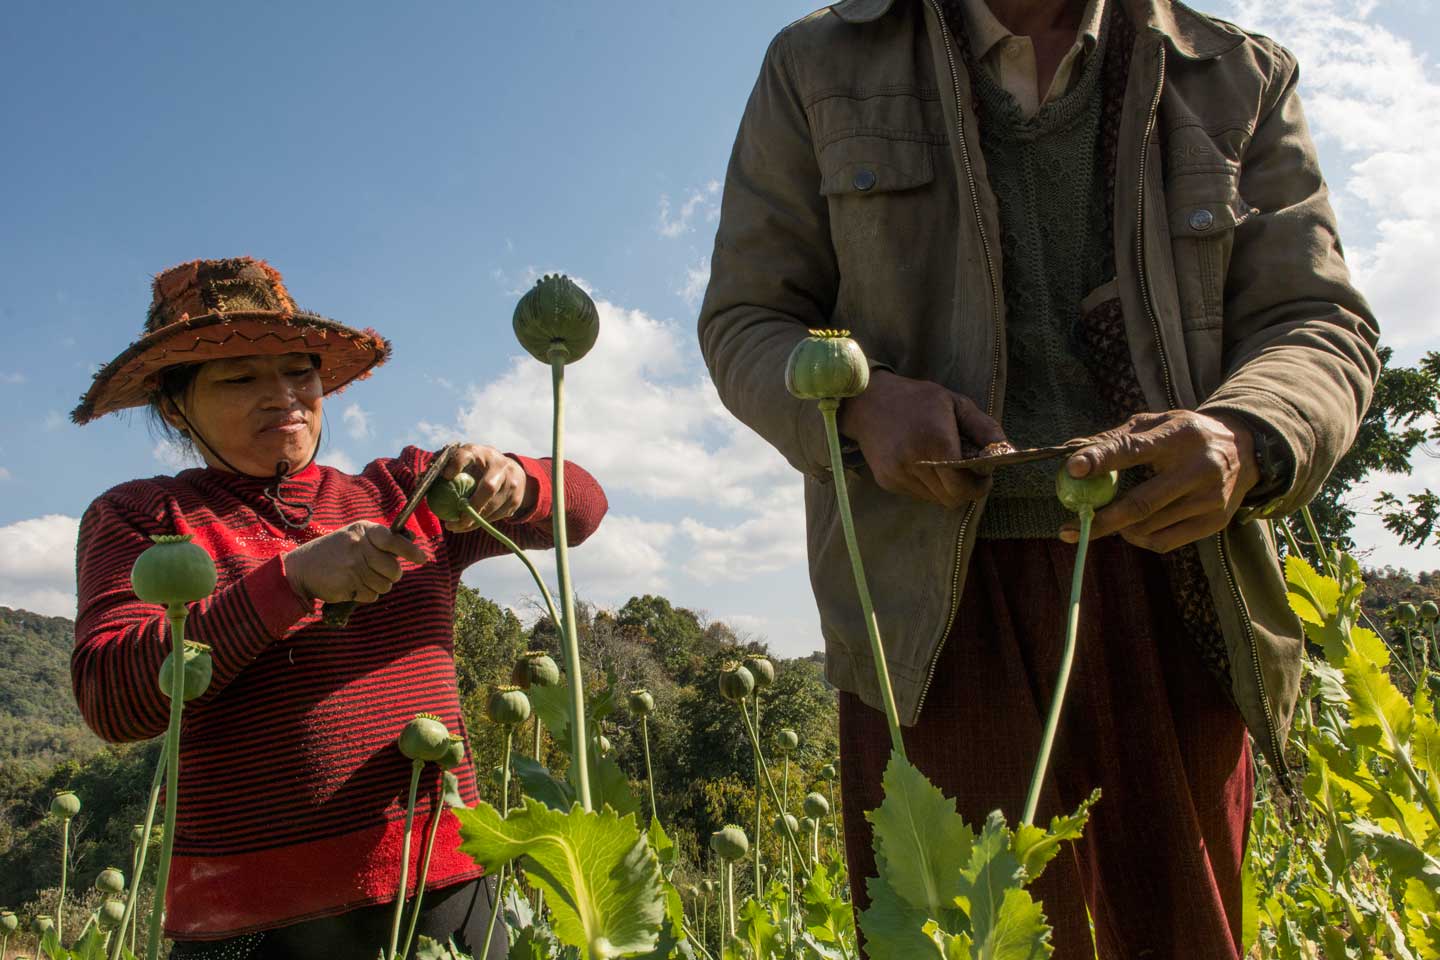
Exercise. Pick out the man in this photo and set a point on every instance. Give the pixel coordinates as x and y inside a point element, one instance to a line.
<point>1074,219</point>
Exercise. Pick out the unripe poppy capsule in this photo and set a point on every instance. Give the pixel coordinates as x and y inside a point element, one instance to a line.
<point>110,880</point>
<point>447,498</point>
<point>762,669</point>
<point>808,825</point>
<point>556,313</point>
<point>173,571</point>
<point>830,831</point>
<point>9,923</point>
<point>827,772</point>
<point>1429,611</point>
<point>729,843</point>
<point>641,703</point>
<point>196,670</point>
<point>535,668</point>
<point>827,365</point>
<point>1093,491</point>
<point>65,805</point>
<point>816,805</point>
<point>42,924</point>
<point>736,683</point>
<point>508,706</point>
<point>708,886</point>
<point>781,821</point>
<point>1406,613</point>
<point>787,741</point>
<point>603,745</point>
<point>111,913</point>
<point>454,754</point>
<point>424,738</point>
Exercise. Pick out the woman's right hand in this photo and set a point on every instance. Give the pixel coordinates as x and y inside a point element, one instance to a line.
<point>360,562</point>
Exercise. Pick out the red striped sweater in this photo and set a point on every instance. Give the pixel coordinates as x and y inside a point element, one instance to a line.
<point>291,790</point>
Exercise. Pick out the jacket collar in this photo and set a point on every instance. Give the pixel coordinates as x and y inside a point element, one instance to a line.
<point>1191,35</point>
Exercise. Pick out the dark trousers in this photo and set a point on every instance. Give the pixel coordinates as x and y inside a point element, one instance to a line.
<point>1160,864</point>
<point>461,911</point>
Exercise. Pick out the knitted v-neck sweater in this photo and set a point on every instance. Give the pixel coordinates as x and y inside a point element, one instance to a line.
<point>291,791</point>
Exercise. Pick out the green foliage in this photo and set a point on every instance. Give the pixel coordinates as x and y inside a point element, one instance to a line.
<point>39,722</point>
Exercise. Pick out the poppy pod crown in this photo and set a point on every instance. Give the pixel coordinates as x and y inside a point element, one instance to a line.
<point>212,309</point>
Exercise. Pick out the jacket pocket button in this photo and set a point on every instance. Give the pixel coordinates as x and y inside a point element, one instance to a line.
<point>1202,220</point>
<point>864,179</point>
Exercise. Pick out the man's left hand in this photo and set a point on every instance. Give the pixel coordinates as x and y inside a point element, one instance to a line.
<point>502,488</point>
<point>1203,466</point>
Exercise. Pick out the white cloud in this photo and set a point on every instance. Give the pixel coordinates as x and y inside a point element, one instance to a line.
<point>771,540</point>
<point>697,278</point>
<point>357,421</point>
<point>175,455</point>
<point>340,460</point>
<point>11,377</point>
<point>37,565</point>
<point>701,203</point>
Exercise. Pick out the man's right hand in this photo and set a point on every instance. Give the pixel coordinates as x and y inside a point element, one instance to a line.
<point>898,422</point>
<point>360,562</point>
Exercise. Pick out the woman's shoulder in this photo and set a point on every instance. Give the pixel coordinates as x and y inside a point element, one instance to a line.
<point>144,494</point>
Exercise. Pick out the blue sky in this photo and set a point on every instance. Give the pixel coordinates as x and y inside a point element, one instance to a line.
<point>413,166</point>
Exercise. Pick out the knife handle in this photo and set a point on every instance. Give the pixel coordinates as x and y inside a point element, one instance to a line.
<point>338,614</point>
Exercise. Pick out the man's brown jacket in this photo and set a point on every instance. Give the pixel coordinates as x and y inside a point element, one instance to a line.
<point>857,197</point>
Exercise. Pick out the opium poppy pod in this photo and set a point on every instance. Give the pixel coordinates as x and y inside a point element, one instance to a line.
<point>447,498</point>
<point>1093,491</point>
<point>736,683</point>
<point>827,365</point>
<point>508,706</point>
<point>815,805</point>
<point>111,913</point>
<point>729,843</point>
<point>782,821</point>
<point>556,313</point>
<point>787,741</point>
<point>1406,613</point>
<point>1429,611</point>
<point>42,924</point>
<point>110,880</point>
<point>454,754</point>
<point>762,670</point>
<point>603,746</point>
<point>830,831</point>
<point>173,571</point>
<point>9,923</point>
<point>708,886</point>
<point>65,805</point>
<point>640,702</point>
<point>197,670</point>
<point>535,668</point>
<point>827,772</point>
<point>425,738</point>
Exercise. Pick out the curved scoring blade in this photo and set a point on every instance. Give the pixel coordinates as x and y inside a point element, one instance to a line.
<point>427,480</point>
<point>988,459</point>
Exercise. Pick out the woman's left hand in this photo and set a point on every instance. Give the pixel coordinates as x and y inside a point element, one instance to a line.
<point>502,488</point>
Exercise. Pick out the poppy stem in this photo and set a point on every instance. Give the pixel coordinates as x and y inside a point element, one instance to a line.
<point>176,614</point>
<point>415,767</point>
<point>437,811</point>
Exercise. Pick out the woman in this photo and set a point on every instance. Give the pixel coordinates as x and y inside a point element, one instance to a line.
<point>291,791</point>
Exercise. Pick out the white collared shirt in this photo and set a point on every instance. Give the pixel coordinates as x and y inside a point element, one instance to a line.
<point>1010,59</point>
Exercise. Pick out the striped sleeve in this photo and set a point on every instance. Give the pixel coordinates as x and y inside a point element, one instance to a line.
<point>120,641</point>
<point>585,506</point>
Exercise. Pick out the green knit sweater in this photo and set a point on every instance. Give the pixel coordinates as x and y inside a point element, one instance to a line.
<point>1051,194</point>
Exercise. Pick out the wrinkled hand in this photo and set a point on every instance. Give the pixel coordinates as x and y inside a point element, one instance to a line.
<point>898,422</point>
<point>1203,468</point>
<point>502,488</point>
<point>360,562</point>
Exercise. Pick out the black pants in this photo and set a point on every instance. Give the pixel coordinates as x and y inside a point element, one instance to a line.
<point>461,911</point>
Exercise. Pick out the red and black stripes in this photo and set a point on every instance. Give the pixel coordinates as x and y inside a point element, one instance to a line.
<point>295,741</point>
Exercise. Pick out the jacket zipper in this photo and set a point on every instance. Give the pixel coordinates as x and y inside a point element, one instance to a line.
<point>995,353</point>
<point>1282,769</point>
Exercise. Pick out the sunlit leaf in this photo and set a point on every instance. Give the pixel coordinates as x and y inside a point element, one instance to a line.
<point>1035,847</point>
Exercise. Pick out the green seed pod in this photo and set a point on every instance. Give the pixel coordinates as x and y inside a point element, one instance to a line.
<point>708,886</point>
<point>173,571</point>
<point>827,365</point>
<point>761,669</point>
<point>781,821</point>
<point>111,913</point>
<point>1093,491</point>
<point>691,891</point>
<point>640,702</point>
<point>729,843</point>
<point>9,923</point>
<point>1406,613</point>
<point>447,498</point>
<point>1429,611</point>
<point>736,683</point>
<point>137,833</point>
<point>556,312</point>
<point>65,805</point>
<point>425,738</point>
<point>603,746</point>
<point>535,668</point>
<point>508,706</point>
<point>197,670</point>
<point>827,772</point>
<point>787,741</point>
<point>42,924</point>
<point>808,825</point>
<point>829,831</point>
<point>454,754</point>
<point>110,880</point>
<point>815,805</point>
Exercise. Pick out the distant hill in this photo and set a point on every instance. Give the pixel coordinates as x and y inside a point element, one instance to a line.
<point>39,721</point>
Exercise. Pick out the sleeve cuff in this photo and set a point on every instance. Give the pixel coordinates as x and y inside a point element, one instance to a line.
<point>275,604</point>
<point>539,472</point>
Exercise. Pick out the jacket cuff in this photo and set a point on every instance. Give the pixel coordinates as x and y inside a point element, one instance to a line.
<point>1273,416</point>
<point>544,497</point>
<point>276,606</point>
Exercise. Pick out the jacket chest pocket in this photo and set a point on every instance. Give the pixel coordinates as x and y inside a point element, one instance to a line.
<point>1203,209</point>
<point>875,184</point>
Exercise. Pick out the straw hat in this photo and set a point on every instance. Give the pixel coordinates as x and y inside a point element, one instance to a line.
<point>209,309</point>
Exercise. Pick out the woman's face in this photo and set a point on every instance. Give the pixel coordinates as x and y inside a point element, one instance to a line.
<point>255,411</point>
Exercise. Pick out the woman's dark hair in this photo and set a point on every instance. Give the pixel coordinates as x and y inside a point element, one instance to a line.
<point>170,383</point>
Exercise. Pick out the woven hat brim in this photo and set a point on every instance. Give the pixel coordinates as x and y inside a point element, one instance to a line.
<point>346,354</point>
